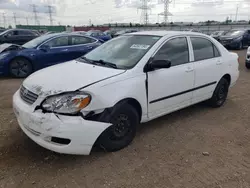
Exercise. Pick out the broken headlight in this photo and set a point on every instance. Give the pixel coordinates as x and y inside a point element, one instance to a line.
<point>67,103</point>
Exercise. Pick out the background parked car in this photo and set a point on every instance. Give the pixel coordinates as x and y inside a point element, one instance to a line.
<point>17,36</point>
<point>2,30</point>
<point>236,38</point>
<point>110,32</point>
<point>46,50</point>
<point>99,35</point>
<point>79,32</point>
<point>217,34</point>
<point>248,58</point>
<point>124,31</point>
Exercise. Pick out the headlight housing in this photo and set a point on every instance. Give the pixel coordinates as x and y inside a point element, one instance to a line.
<point>238,38</point>
<point>66,103</point>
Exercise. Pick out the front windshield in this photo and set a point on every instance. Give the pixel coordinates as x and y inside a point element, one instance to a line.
<point>35,42</point>
<point>234,32</point>
<point>125,51</point>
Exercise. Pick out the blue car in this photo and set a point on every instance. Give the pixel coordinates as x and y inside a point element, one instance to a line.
<point>21,61</point>
<point>99,35</point>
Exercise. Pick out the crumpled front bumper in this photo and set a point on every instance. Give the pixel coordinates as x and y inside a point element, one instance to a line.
<point>41,128</point>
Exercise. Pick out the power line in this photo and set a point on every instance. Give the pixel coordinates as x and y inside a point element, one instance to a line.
<point>50,14</point>
<point>34,9</point>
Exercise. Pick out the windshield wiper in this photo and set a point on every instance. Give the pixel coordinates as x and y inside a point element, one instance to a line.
<point>87,60</point>
<point>105,63</point>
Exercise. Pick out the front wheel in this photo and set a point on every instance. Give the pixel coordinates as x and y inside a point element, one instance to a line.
<point>220,94</point>
<point>20,68</point>
<point>240,46</point>
<point>124,119</point>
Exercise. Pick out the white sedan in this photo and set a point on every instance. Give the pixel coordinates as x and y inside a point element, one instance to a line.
<point>100,98</point>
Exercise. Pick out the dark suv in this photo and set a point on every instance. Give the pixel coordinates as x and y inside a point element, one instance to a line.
<point>236,38</point>
<point>17,36</point>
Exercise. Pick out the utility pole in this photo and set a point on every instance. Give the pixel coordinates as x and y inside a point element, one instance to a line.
<point>4,20</point>
<point>50,14</point>
<point>27,21</point>
<point>144,13</point>
<point>90,22</point>
<point>14,17</point>
<point>236,14</point>
<point>35,14</point>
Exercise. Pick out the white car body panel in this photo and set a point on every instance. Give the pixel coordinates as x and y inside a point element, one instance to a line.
<point>108,86</point>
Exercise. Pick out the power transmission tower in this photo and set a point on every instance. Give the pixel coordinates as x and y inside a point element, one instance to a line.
<point>166,12</point>
<point>27,21</point>
<point>144,13</point>
<point>14,17</point>
<point>4,20</point>
<point>35,14</point>
<point>50,14</point>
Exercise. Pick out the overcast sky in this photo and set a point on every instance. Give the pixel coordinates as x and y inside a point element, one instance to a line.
<point>80,12</point>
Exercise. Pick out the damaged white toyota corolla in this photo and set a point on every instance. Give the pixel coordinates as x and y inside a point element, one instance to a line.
<point>100,98</point>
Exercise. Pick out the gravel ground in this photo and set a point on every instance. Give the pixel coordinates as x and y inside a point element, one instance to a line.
<point>167,152</point>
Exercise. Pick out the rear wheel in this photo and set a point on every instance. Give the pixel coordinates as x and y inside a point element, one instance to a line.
<point>220,94</point>
<point>20,68</point>
<point>248,65</point>
<point>124,119</point>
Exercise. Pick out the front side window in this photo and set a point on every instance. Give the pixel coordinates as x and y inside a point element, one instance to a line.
<point>124,51</point>
<point>58,42</point>
<point>174,50</point>
<point>77,40</point>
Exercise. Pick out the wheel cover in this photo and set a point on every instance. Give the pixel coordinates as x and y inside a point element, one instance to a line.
<point>222,94</point>
<point>121,127</point>
<point>19,68</point>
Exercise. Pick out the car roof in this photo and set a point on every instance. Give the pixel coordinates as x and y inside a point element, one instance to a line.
<point>165,33</point>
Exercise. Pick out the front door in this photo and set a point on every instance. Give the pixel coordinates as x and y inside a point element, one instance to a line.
<point>58,52</point>
<point>171,88</point>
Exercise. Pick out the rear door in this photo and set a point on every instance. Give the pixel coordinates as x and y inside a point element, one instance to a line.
<point>207,64</point>
<point>26,36</point>
<point>80,45</point>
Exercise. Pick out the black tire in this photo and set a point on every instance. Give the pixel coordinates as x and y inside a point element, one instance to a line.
<point>220,94</point>
<point>240,46</point>
<point>248,65</point>
<point>125,119</point>
<point>20,67</point>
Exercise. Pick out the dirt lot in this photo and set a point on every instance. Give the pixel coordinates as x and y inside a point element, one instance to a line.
<point>167,152</point>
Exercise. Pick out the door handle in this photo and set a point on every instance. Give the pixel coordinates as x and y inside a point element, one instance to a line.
<point>218,62</point>
<point>65,50</point>
<point>189,69</point>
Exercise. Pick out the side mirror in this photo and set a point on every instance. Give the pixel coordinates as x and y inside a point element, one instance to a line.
<point>44,48</point>
<point>157,64</point>
<point>160,64</point>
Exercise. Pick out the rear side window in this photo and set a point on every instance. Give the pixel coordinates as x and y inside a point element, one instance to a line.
<point>203,49</point>
<point>216,51</point>
<point>77,40</point>
<point>58,42</point>
<point>174,50</point>
<point>25,33</point>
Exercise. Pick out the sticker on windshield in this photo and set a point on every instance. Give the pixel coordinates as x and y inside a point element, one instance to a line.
<point>140,46</point>
<point>155,38</point>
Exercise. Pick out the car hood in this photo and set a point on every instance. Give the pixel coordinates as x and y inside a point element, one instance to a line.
<point>69,76</point>
<point>229,37</point>
<point>8,46</point>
